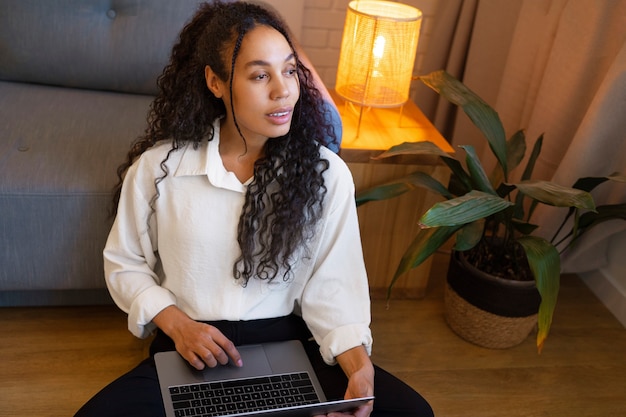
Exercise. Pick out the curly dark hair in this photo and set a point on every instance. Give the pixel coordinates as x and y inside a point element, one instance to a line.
<point>283,203</point>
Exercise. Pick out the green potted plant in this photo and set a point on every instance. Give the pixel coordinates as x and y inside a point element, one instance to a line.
<point>489,217</point>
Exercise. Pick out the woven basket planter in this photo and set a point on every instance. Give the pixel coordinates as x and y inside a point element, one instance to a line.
<point>486,310</point>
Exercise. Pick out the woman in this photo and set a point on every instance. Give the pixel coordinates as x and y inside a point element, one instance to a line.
<point>236,224</point>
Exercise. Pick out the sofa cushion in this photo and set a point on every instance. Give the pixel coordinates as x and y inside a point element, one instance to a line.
<point>119,45</point>
<point>59,149</point>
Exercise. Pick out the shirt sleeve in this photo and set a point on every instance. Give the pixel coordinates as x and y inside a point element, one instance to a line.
<point>335,302</point>
<point>131,261</point>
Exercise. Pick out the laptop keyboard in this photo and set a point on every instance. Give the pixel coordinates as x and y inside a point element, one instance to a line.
<point>243,395</point>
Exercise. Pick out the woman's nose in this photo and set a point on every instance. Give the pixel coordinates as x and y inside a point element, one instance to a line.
<point>280,88</point>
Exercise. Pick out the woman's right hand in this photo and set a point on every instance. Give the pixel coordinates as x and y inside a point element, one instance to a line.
<point>199,343</point>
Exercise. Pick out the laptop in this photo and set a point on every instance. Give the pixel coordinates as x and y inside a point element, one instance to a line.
<point>276,380</point>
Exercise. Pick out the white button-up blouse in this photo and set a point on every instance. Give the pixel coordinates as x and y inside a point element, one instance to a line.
<point>182,253</point>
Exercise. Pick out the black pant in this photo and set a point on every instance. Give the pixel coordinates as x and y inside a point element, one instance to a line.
<point>137,393</point>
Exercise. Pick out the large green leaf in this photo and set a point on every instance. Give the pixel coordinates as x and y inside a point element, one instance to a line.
<point>515,152</point>
<point>523,227</point>
<point>545,264</point>
<point>479,112</point>
<point>589,183</point>
<point>413,148</point>
<point>556,195</point>
<point>532,159</point>
<point>429,148</point>
<point>586,184</point>
<point>477,173</point>
<point>473,206</point>
<point>530,166</point>
<point>603,213</point>
<point>460,178</point>
<point>426,242</point>
<point>400,186</point>
<point>516,149</point>
<point>469,235</point>
<point>383,192</point>
<point>590,219</point>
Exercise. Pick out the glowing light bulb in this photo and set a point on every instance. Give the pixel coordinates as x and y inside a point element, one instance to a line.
<point>379,47</point>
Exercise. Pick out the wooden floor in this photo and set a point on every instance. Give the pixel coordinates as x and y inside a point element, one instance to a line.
<point>65,355</point>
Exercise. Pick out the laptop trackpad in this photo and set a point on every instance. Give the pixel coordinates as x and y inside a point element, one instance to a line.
<point>255,363</point>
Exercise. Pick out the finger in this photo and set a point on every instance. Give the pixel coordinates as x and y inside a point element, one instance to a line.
<point>218,354</point>
<point>195,361</point>
<point>225,349</point>
<point>207,345</point>
<point>200,358</point>
<point>364,410</point>
<point>208,358</point>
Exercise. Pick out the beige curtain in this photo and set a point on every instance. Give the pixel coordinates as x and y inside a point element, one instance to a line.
<point>556,67</point>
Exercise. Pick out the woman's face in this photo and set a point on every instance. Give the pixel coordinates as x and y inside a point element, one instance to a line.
<point>265,86</point>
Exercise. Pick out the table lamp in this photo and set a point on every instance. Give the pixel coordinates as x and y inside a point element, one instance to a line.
<point>377,54</point>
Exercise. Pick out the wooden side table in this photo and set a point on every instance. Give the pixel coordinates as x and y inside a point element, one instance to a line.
<point>388,227</point>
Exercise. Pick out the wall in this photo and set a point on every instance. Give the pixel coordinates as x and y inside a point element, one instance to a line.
<point>609,283</point>
<point>292,11</point>
<point>323,28</point>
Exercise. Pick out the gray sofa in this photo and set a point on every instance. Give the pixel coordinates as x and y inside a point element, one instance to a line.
<point>76,81</point>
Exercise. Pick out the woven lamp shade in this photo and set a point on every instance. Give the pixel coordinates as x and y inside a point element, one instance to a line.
<point>377,53</point>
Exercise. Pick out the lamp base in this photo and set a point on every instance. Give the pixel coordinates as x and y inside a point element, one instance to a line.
<point>360,110</point>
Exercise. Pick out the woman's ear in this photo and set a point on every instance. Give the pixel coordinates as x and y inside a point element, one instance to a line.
<point>213,82</point>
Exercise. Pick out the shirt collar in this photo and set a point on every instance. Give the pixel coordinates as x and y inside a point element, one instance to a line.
<point>206,160</point>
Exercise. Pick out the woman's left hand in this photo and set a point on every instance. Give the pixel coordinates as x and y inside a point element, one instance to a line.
<point>360,384</point>
<point>358,367</point>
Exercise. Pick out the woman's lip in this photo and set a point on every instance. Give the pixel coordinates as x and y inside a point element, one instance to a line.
<point>280,116</point>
